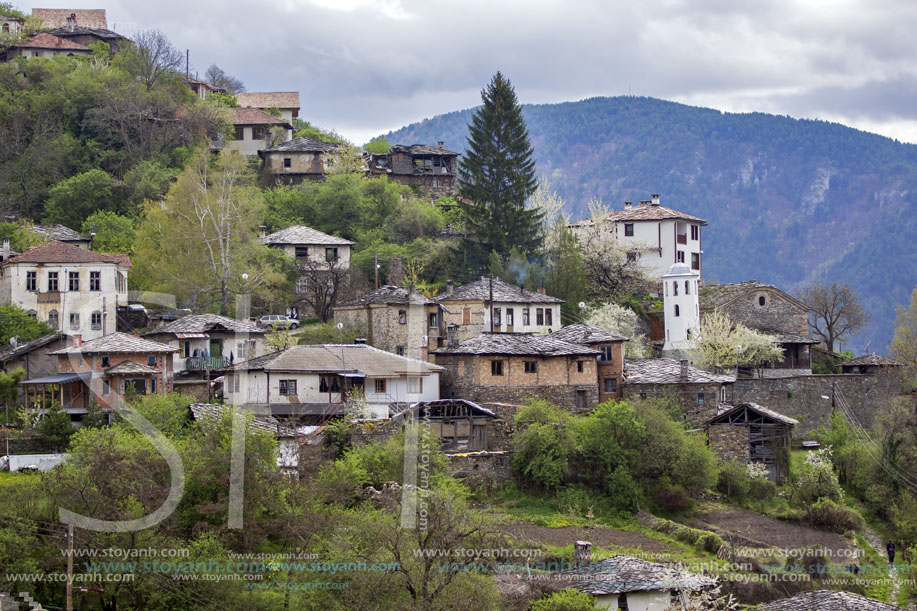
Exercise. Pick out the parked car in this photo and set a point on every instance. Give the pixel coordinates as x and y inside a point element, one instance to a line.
<point>277,321</point>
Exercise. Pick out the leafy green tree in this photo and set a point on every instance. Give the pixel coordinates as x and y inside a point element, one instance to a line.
<point>56,426</point>
<point>565,600</point>
<point>147,179</point>
<point>9,391</point>
<point>113,233</point>
<point>304,129</point>
<point>904,342</point>
<point>16,322</point>
<point>497,176</point>
<point>74,199</point>
<point>565,276</point>
<point>378,145</point>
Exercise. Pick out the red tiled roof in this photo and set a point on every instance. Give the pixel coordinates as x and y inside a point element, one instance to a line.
<point>254,116</point>
<point>61,252</point>
<point>43,40</point>
<point>57,17</point>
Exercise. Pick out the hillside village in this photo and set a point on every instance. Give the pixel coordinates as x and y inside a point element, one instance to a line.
<point>605,424</point>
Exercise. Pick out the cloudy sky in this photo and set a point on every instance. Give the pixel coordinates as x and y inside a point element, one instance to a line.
<point>364,67</point>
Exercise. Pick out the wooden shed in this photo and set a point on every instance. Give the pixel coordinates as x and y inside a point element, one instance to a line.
<point>751,433</point>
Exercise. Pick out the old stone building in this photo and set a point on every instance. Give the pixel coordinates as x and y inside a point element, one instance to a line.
<point>292,162</point>
<point>432,169</point>
<point>287,102</point>
<point>44,44</point>
<point>610,366</point>
<point>461,425</point>
<point>875,364</point>
<point>510,367</point>
<point>697,391</point>
<point>255,130</point>
<point>750,433</point>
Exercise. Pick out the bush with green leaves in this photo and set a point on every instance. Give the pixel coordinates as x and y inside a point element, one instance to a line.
<point>828,515</point>
<point>817,479</point>
<point>565,600</point>
<point>733,480</point>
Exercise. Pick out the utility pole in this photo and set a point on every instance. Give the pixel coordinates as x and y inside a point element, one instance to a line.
<point>70,567</point>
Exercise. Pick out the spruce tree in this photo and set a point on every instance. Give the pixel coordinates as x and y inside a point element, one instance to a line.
<point>496,177</point>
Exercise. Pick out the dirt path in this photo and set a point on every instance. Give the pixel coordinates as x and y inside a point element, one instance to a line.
<point>875,541</point>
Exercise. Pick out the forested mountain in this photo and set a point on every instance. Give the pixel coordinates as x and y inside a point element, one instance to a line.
<point>787,200</point>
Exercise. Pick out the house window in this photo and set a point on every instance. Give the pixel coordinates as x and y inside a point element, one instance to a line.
<point>466,316</point>
<point>53,319</point>
<point>549,317</point>
<point>185,348</point>
<point>677,310</point>
<point>666,284</point>
<point>415,385</point>
<point>579,366</point>
<point>95,281</point>
<point>287,162</point>
<point>761,300</point>
<point>496,367</point>
<point>236,380</point>
<point>675,288</point>
<point>120,282</point>
<point>695,260</point>
<point>104,361</point>
<point>687,288</point>
<point>399,350</point>
<point>509,317</point>
<point>531,367</point>
<point>498,317</point>
<point>700,399</point>
<point>539,316</point>
<point>74,321</point>
<point>239,133</point>
<point>259,132</point>
<point>434,320</point>
<point>331,255</point>
<point>643,396</point>
<point>106,388</point>
<point>608,354</point>
<point>610,384</point>
<point>151,360</point>
<point>73,281</point>
<point>152,385</point>
<point>329,384</point>
<point>96,320</point>
<point>138,385</point>
<point>525,317</point>
<point>379,387</point>
<point>629,229</point>
<point>695,232</point>
<point>302,252</point>
<point>402,317</point>
<point>679,256</point>
<point>622,602</point>
<point>32,314</point>
<point>31,281</point>
<point>229,380</point>
<point>52,281</point>
<point>287,387</point>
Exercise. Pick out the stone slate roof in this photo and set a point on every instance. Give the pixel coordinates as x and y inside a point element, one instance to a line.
<point>117,342</point>
<point>130,368</point>
<point>268,99</point>
<point>517,344</point>
<point>725,410</point>
<point>643,212</point>
<point>300,234</point>
<point>389,295</point>
<point>61,252</point>
<point>668,371</point>
<point>421,149</point>
<point>719,295</point>
<point>255,116</point>
<point>44,40</point>
<point>8,353</point>
<point>620,574</point>
<point>873,359</point>
<point>205,323</point>
<point>785,337</point>
<point>828,600</point>
<point>584,333</point>
<point>339,358</point>
<point>59,232</point>
<point>57,17</point>
<point>78,30</point>
<point>504,292</point>
<point>303,145</point>
<point>203,411</point>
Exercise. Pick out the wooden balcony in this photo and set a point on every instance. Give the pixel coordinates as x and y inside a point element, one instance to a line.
<point>203,363</point>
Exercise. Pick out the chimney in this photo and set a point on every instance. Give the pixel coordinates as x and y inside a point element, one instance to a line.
<point>541,290</point>
<point>655,197</point>
<point>645,202</point>
<point>5,253</point>
<point>77,340</point>
<point>450,287</point>
<point>441,144</point>
<point>628,205</point>
<point>582,553</point>
<point>683,376</point>
<point>360,341</point>
<point>262,231</point>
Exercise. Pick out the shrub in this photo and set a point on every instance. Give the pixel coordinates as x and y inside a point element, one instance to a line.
<point>624,491</point>
<point>761,489</point>
<point>828,515</point>
<point>565,600</point>
<point>671,498</point>
<point>817,478</point>
<point>733,480</point>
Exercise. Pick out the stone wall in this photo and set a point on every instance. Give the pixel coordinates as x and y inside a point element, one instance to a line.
<point>776,313</point>
<point>729,442</point>
<point>695,410</point>
<point>485,466</point>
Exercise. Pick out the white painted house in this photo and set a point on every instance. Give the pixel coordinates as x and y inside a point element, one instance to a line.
<point>316,382</point>
<point>660,236</point>
<point>74,290</point>
<point>681,307</point>
<point>210,341</point>
<point>255,130</point>
<point>310,247</point>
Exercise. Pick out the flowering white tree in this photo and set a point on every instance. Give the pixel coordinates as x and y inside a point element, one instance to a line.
<point>622,321</point>
<point>721,344</point>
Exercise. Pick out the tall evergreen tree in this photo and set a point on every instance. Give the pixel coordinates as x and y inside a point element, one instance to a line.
<point>496,177</point>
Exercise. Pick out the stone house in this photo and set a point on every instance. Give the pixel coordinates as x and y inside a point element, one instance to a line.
<point>70,288</point>
<point>103,370</point>
<point>255,130</point>
<point>87,36</point>
<point>610,366</point>
<point>874,364</point>
<point>287,102</point>
<point>396,319</point>
<point>510,367</point>
<point>462,426</point>
<point>624,582</point>
<point>292,162</point>
<point>10,26</point>
<point>314,383</point>
<point>63,234</point>
<point>490,305</point>
<point>659,236</point>
<point>207,345</point>
<point>309,246</point>
<point>34,356</point>
<point>697,391</point>
<point>62,17</point>
<point>432,169</point>
<point>44,44</point>
<point>749,433</point>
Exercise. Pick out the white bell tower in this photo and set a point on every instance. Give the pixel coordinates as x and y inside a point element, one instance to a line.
<point>681,307</point>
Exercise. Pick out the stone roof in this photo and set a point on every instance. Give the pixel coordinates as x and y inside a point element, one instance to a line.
<point>300,234</point>
<point>255,116</point>
<point>643,212</point>
<point>204,411</point>
<point>828,600</point>
<point>584,333</point>
<point>339,358</point>
<point>44,40</point>
<point>57,17</point>
<point>421,149</point>
<point>785,337</point>
<point>130,368</point>
<point>518,344</point>
<point>668,371</point>
<point>620,574</point>
<point>59,232</point>
<point>8,353</point>
<point>389,295</point>
<point>873,359</point>
<point>117,342</point>
<point>725,410</point>
<point>61,252</point>
<point>719,295</point>
<point>504,292</point>
<point>205,323</point>
<point>268,99</point>
<point>303,145</point>
<point>102,33</point>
